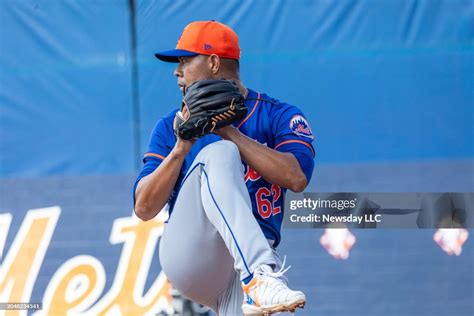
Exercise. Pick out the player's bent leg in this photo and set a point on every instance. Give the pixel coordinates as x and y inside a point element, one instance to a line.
<point>227,204</point>
<point>267,292</point>
<point>212,231</point>
<point>192,253</point>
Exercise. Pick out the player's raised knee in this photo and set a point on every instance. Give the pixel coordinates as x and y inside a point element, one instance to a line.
<point>224,149</point>
<point>223,146</point>
<point>228,145</point>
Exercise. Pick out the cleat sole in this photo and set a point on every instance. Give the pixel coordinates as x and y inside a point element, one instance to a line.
<point>267,311</point>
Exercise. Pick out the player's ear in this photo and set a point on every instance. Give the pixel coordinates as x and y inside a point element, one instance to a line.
<point>214,63</point>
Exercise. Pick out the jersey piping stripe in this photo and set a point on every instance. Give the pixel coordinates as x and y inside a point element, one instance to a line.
<point>296,141</point>
<point>190,171</point>
<point>251,113</point>
<point>155,155</point>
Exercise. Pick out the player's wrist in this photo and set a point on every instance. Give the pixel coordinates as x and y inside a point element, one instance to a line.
<point>228,132</point>
<point>181,149</point>
<point>178,154</point>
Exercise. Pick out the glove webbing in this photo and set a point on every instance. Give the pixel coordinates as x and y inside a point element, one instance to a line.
<point>223,116</point>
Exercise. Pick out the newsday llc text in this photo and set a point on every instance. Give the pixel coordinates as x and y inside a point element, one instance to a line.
<point>332,219</point>
<point>326,211</point>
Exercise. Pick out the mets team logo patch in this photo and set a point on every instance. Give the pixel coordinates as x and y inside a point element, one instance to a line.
<point>300,127</point>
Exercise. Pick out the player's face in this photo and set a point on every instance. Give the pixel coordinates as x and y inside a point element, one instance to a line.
<point>191,69</point>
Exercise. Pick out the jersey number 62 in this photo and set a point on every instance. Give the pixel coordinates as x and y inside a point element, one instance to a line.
<point>266,201</point>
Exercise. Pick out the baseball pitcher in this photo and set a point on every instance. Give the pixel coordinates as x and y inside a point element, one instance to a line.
<point>222,162</point>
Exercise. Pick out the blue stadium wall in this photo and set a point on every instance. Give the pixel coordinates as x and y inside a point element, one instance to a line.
<point>386,86</point>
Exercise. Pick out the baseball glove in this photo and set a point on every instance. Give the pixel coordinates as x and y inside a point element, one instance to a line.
<point>211,104</point>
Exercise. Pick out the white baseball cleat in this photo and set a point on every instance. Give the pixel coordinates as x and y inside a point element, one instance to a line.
<point>266,294</point>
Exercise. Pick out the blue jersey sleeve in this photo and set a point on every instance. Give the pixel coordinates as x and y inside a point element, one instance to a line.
<point>159,147</point>
<point>293,134</point>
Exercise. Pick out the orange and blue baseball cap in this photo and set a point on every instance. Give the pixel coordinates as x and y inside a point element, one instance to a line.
<point>204,38</point>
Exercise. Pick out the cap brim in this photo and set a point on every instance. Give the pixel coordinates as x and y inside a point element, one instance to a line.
<point>171,56</point>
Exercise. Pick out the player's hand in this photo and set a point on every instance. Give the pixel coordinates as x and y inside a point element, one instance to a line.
<point>451,240</point>
<point>183,146</point>
<point>338,242</point>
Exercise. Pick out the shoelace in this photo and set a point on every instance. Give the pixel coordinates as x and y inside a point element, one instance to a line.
<point>260,271</point>
<point>273,276</point>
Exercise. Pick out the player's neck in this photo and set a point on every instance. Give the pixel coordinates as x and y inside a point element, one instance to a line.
<point>242,88</point>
